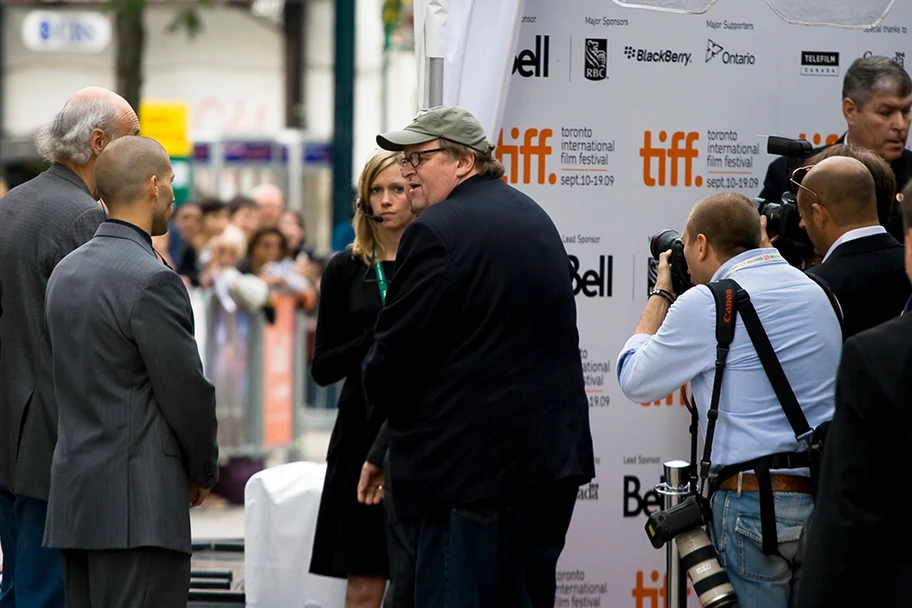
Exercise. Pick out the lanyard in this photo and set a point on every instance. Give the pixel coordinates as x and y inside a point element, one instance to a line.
<point>759,260</point>
<point>381,280</point>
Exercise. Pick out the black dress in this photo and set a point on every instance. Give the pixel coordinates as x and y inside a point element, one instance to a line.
<point>350,538</point>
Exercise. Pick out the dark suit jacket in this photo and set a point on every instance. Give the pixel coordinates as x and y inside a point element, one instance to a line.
<point>137,416</point>
<point>854,534</point>
<point>868,277</point>
<point>41,221</point>
<point>777,182</point>
<point>476,360</point>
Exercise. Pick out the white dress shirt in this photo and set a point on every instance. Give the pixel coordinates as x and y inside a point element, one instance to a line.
<point>851,235</point>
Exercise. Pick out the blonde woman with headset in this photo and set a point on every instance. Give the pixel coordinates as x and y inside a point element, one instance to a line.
<point>350,540</point>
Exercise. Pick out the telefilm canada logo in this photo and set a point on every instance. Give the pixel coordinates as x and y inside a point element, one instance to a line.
<point>819,63</point>
<point>657,56</point>
<point>596,59</point>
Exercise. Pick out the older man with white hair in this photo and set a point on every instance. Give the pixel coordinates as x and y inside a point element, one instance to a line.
<point>41,221</point>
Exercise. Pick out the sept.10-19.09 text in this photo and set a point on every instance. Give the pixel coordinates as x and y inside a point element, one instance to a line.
<point>586,180</point>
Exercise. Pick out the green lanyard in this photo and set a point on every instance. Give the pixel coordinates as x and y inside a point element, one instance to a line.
<point>381,281</point>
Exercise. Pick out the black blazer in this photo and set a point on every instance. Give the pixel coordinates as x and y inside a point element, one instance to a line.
<point>777,182</point>
<point>868,277</point>
<point>476,360</point>
<point>856,532</point>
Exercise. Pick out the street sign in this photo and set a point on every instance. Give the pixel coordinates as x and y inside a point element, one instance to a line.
<point>166,122</point>
<point>66,31</point>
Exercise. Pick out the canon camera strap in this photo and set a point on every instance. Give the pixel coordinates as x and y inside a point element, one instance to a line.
<point>724,292</point>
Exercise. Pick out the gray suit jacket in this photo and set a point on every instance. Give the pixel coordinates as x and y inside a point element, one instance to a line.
<point>137,415</point>
<point>41,221</point>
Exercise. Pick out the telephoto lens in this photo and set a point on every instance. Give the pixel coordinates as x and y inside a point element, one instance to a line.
<point>701,560</point>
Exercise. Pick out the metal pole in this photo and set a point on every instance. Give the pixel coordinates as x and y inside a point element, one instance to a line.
<point>435,81</point>
<point>343,115</point>
<point>676,486</point>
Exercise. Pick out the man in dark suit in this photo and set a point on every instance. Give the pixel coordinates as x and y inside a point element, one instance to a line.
<point>854,556</point>
<point>876,102</point>
<point>477,365</point>
<point>862,264</point>
<point>41,221</point>
<point>137,426</point>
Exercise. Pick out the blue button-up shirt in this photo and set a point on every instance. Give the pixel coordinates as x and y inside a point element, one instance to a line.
<point>804,332</point>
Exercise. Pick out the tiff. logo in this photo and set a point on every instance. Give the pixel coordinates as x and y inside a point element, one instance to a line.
<point>667,158</point>
<point>534,146</point>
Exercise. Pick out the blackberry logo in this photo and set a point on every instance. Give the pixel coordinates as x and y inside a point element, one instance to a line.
<point>660,56</point>
<point>596,59</point>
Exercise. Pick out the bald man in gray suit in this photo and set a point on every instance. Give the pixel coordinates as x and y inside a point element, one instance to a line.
<point>137,426</point>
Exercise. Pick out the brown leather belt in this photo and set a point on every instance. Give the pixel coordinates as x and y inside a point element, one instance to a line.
<point>780,483</point>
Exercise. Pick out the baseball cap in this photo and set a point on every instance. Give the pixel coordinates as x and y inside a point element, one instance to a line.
<point>447,122</point>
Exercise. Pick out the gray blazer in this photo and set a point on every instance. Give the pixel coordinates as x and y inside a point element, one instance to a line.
<point>136,414</point>
<point>41,221</point>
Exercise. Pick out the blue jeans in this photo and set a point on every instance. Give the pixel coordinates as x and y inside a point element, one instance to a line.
<point>493,553</point>
<point>760,581</point>
<point>32,575</point>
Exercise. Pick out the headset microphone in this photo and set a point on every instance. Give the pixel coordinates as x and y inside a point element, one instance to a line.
<point>360,206</point>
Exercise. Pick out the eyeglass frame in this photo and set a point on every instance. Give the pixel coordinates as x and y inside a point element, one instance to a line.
<point>798,184</point>
<point>419,153</point>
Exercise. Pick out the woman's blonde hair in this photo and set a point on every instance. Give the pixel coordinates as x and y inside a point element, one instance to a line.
<point>366,246</point>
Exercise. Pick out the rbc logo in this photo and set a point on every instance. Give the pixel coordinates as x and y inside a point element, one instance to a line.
<point>44,30</point>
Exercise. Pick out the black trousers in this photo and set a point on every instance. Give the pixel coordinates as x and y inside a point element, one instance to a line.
<point>494,553</point>
<point>147,577</point>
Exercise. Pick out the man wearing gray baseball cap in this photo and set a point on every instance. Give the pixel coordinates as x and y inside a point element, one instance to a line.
<point>476,365</point>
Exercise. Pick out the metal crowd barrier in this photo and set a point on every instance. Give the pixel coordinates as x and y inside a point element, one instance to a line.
<point>265,398</point>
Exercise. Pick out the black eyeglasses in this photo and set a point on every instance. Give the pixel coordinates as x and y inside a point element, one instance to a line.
<point>415,158</point>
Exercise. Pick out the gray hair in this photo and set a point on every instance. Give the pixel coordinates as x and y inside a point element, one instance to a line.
<point>67,135</point>
<point>874,74</point>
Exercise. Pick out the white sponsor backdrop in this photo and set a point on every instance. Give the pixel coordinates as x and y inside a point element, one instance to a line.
<point>617,121</point>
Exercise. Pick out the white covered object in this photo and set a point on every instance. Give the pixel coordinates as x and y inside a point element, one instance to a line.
<point>280,514</point>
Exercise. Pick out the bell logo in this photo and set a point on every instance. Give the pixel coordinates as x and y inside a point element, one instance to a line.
<point>534,146</point>
<point>652,596</point>
<point>534,63</point>
<point>667,159</point>
<point>593,283</point>
<point>817,138</point>
<point>647,503</point>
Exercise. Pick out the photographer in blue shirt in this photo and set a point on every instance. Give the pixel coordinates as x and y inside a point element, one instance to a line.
<point>675,343</point>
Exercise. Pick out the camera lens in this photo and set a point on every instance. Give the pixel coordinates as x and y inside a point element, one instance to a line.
<point>701,560</point>
<point>662,242</point>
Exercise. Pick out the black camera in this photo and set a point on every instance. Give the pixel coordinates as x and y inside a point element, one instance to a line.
<point>782,218</point>
<point>662,242</point>
<point>684,523</point>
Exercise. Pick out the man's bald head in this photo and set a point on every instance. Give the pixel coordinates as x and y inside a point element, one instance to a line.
<point>729,221</point>
<point>845,187</point>
<point>271,201</point>
<point>124,168</point>
<point>91,118</point>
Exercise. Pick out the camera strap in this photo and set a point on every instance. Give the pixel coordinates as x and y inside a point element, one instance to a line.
<point>725,294</point>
